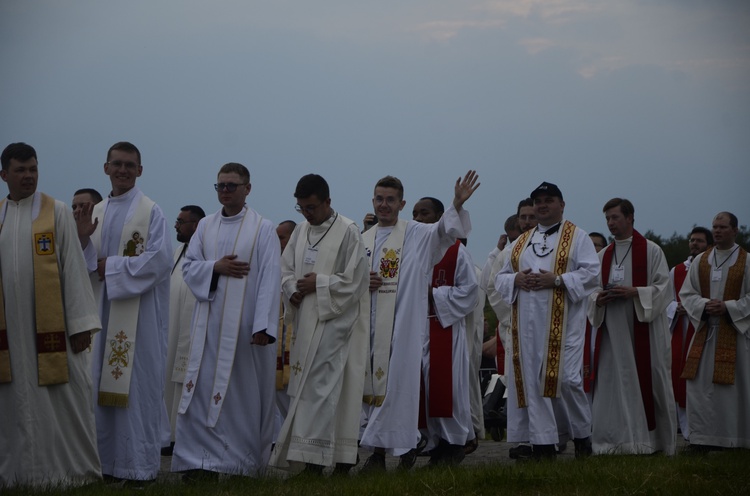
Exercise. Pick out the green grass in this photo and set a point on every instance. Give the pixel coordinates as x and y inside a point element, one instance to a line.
<point>723,473</point>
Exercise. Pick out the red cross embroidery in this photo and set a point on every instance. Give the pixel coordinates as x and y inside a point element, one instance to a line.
<point>217,398</point>
<point>189,386</point>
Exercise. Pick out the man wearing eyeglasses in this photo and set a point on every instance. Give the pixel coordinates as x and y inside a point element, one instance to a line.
<point>133,256</point>
<point>401,256</point>
<point>549,273</point>
<point>325,279</point>
<point>181,304</point>
<point>226,414</point>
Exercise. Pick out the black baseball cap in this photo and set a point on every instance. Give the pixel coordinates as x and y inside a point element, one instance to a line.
<point>547,189</point>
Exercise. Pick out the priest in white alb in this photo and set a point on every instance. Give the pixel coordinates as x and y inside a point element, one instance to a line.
<point>47,316</point>
<point>452,298</point>
<point>716,297</point>
<point>633,402</point>
<point>226,414</point>
<point>401,257</point>
<point>549,274</point>
<point>181,305</point>
<point>325,278</point>
<point>133,256</point>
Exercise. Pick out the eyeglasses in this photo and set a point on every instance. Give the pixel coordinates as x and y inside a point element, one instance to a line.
<point>181,222</point>
<point>119,163</point>
<point>390,200</point>
<point>308,209</point>
<point>230,187</point>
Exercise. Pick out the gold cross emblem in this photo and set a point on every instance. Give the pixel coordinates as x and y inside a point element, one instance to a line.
<point>379,373</point>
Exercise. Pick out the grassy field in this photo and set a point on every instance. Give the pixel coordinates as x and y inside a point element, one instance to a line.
<point>723,473</point>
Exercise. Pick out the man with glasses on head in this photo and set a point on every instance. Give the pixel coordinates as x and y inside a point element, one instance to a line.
<point>325,278</point>
<point>401,257</point>
<point>181,304</point>
<point>226,414</point>
<point>132,253</point>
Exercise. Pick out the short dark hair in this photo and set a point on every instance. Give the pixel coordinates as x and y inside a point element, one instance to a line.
<point>706,232</point>
<point>284,222</point>
<point>391,182</point>
<point>526,202</point>
<point>124,146</point>
<point>626,207</point>
<point>437,205</point>
<point>511,223</point>
<point>195,210</point>
<point>600,236</point>
<point>234,167</point>
<point>733,222</point>
<point>312,184</point>
<point>19,151</point>
<point>95,195</point>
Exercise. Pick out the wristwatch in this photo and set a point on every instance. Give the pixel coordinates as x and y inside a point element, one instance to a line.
<point>558,281</point>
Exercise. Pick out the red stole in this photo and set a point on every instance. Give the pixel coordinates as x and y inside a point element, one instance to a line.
<point>642,344</point>
<point>679,346</point>
<point>441,343</point>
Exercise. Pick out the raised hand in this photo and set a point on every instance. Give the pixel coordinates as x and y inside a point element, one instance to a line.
<point>465,188</point>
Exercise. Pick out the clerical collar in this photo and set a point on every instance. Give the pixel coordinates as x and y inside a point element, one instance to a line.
<point>549,230</point>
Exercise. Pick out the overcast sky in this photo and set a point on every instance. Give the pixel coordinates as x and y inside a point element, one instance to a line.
<point>648,100</point>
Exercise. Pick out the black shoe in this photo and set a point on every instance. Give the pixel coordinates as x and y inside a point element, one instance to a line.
<point>312,469</point>
<point>583,447</point>
<point>700,449</point>
<point>471,446</point>
<point>408,459</point>
<point>544,451</point>
<point>374,464</point>
<point>167,450</point>
<point>196,476</point>
<point>521,452</point>
<point>449,455</point>
<point>137,484</point>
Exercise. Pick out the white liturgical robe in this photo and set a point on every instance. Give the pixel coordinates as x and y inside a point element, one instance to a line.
<point>130,439</point>
<point>329,347</point>
<point>226,415</point>
<point>718,413</point>
<point>394,424</point>
<point>47,433</point>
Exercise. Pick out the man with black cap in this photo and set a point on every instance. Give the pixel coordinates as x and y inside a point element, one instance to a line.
<point>550,273</point>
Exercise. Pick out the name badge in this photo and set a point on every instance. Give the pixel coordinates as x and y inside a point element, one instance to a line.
<point>311,255</point>
<point>618,274</point>
<point>716,275</point>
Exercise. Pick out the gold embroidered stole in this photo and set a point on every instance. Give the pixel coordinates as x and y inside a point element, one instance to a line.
<point>557,330</point>
<point>725,355</point>
<point>51,337</point>
<point>389,268</point>
<point>119,347</point>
